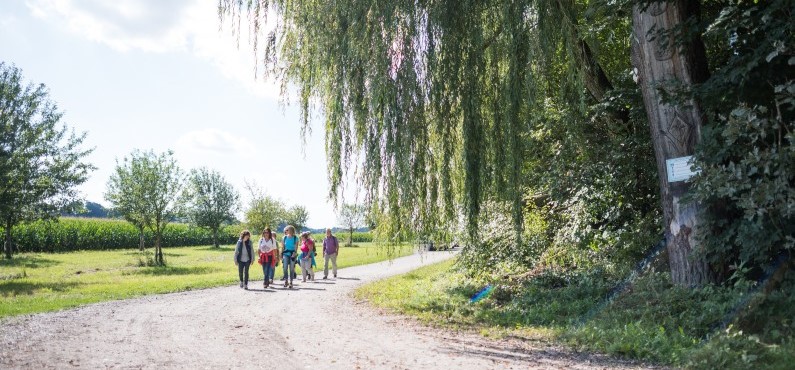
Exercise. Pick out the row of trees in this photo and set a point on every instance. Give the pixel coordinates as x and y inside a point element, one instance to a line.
<point>149,190</point>
<point>42,162</point>
<point>557,117</point>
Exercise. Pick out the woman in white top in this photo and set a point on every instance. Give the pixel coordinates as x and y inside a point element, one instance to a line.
<point>269,252</point>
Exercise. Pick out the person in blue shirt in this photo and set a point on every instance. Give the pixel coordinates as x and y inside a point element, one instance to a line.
<point>289,254</point>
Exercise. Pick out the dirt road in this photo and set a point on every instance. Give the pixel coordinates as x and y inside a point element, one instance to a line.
<point>315,325</point>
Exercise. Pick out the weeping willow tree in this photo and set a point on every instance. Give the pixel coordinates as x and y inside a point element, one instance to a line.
<point>432,101</point>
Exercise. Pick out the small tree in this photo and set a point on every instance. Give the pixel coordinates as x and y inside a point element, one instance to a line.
<point>297,216</point>
<point>263,210</point>
<point>146,190</point>
<point>210,200</point>
<point>128,194</point>
<point>352,216</point>
<point>40,160</point>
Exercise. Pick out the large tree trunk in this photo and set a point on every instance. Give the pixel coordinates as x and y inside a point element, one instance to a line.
<point>675,129</point>
<point>215,237</point>
<point>9,249</point>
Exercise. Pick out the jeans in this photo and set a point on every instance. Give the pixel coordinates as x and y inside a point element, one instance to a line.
<point>333,258</point>
<point>242,271</point>
<point>267,271</point>
<point>306,269</point>
<point>288,267</point>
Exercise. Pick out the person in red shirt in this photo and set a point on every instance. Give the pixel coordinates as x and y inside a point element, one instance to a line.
<point>268,254</point>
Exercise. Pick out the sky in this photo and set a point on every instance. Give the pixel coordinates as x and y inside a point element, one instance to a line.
<point>153,74</point>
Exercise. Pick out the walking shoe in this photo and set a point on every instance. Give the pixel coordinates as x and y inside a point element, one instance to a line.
<point>245,286</point>
<point>241,284</point>
<point>291,285</point>
<point>285,283</point>
<point>325,277</point>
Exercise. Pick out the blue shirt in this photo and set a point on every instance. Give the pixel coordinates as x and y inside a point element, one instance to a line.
<point>290,243</point>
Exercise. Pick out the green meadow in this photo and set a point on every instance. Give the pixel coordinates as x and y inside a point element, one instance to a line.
<point>40,282</point>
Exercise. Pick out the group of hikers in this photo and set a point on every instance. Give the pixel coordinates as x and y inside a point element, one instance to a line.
<point>293,249</point>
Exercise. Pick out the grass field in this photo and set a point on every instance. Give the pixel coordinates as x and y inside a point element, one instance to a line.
<point>39,282</point>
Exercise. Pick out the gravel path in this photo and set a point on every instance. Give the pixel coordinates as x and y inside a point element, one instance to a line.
<point>315,325</point>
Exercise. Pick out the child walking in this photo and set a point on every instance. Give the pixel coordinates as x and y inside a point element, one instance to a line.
<point>289,253</point>
<point>307,257</point>
<point>268,252</point>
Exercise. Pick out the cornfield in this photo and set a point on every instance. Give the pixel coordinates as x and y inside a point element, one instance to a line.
<point>70,234</point>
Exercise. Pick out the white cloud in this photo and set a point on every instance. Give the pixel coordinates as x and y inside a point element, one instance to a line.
<point>210,143</point>
<point>159,26</point>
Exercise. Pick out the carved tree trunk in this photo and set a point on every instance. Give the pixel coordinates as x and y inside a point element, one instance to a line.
<point>675,129</point>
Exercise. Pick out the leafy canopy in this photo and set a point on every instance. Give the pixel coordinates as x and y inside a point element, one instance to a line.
<point>145,188</point>
<point>210,200</point>
<point>41,160</point>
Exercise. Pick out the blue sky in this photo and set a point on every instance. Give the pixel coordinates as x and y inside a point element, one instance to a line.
<point>152,74</point>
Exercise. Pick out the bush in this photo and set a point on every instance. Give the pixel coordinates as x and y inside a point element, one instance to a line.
<point>748,183</point>
<point>70,234</point>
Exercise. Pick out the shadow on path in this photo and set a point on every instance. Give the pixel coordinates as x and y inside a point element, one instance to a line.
<point>269,290</point>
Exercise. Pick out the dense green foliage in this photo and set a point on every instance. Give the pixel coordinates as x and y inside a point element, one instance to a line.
<point>748,152</point>
<point>73,234</point>
<point>41,161</point>
<point>529,108</point>
<point>454,106</point>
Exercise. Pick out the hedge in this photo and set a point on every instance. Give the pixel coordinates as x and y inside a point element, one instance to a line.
<point>70,234</point>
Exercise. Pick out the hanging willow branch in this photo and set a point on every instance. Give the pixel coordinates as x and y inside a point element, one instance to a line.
<point>429,100</point>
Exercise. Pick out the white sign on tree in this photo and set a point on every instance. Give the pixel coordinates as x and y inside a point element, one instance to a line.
<point>680,169</point>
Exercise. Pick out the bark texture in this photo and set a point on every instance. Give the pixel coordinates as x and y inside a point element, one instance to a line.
<point>675,129</point>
